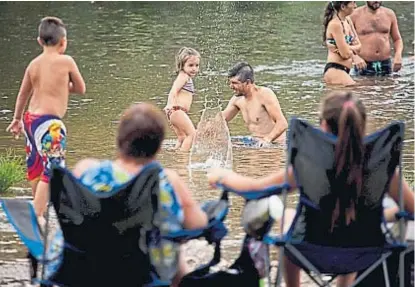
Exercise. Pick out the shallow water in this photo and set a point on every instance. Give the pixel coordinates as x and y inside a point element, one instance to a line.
<point>125,51</point>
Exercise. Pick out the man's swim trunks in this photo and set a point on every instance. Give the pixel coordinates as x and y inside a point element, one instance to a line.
<point>45,145</point>
<point>173,109</point>
<point>376,68</point>
<point>244,141</point>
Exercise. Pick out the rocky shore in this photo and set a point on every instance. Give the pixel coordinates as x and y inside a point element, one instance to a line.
<point>16,273</point>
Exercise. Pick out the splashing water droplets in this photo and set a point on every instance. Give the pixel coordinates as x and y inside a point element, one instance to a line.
<point>212,145</point>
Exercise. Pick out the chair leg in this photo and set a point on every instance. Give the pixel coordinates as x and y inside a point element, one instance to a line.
<point>386,273</point>
<point>371,268</point>
<point>402,263</point>
<point>280,269</point>
<point>402,269</point>
<point>313,273</point>
<point>33,266</point>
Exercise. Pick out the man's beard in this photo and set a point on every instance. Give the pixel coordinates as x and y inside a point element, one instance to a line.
<point>374,8</point>
<point>238,93</point>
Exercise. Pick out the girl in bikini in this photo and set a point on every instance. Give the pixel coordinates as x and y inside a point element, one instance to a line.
<point>181,97</point>
<point>341,39</point>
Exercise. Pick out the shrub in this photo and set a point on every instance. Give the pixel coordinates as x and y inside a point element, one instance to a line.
<point>12,170</point>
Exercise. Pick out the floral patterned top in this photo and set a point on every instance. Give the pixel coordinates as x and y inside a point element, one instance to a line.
<point>106,176</point>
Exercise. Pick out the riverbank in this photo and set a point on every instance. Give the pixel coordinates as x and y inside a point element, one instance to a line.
<point>17,192</point>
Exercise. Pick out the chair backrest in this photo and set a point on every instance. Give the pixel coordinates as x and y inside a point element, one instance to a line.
<point>104,232</point>
<point>311,153</point>
<point>105,217</point>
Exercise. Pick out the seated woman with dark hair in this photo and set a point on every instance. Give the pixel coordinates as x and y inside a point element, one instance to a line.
<point>140,135</point>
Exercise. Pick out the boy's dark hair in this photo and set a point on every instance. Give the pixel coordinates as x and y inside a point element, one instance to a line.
<point>243,71</point>
<point>51,30</point>
<point>141,131</point>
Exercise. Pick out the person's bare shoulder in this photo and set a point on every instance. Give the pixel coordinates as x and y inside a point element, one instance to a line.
<point>389,12</point>
<point>35,61</point>
<point>358,10</point>
<point>266,92</point>
<point>235,100</point>
<point>176,181</point>
<point>357,13</point>
<point>32,66</point>
<point>335,23</point>
<point>67,60</point>
<point>267,95</point>
<point>82,165</point>
<point>334,27</point>
<point>179,187</point>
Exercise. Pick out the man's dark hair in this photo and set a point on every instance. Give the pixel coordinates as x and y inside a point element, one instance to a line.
<point>51,31</point>
<point>243,71</point>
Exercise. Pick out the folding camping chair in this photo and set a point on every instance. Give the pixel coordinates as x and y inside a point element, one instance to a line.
<point>108,239</point>
<point>361,245</point>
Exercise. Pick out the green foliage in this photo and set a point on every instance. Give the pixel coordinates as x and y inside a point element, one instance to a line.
<point>12,170</point>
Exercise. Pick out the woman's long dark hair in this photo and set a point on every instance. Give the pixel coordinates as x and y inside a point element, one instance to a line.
<point>345,116</point>
<point>331,8</point>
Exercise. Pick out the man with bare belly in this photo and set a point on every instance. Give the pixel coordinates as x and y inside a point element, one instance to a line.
<point>375,25</point>
<point>259,106</point>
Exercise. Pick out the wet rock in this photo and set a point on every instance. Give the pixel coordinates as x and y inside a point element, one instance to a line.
<point>20,191</point>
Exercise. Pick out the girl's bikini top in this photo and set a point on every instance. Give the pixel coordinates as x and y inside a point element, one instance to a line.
<point>189,86</point>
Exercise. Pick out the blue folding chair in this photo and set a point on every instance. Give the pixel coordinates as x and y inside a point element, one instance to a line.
<point>252,266</point>
<point>109,239</point>
<point>359,246</point>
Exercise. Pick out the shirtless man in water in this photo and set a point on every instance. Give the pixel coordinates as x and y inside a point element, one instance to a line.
<point>260,108</point>
<point>375,25</point>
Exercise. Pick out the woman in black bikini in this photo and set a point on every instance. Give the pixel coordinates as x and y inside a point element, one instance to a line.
<point>341,40</point>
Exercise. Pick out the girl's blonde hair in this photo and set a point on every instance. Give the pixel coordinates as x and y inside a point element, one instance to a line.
<point>183,55</point>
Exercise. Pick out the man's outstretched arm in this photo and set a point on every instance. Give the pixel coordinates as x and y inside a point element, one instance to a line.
<point>231,110</point>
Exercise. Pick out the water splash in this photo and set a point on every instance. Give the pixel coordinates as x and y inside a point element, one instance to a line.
<point>212,146</point>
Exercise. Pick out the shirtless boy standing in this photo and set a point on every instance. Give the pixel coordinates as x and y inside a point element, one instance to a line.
<point>259,106</point>
<point>47,81</point>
